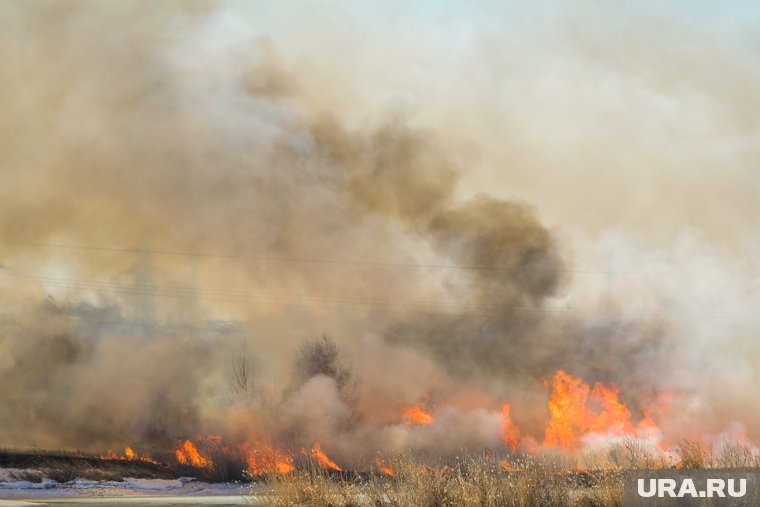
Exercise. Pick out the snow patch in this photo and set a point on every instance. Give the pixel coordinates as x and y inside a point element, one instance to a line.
<point>11,484</point>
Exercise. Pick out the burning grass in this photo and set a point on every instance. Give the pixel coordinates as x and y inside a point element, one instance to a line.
<point>580,479</point>
<point>590,439</point>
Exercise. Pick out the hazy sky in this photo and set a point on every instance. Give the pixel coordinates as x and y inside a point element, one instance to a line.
<point>601,115</point>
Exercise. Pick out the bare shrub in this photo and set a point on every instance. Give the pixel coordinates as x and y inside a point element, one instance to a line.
<point>242,379</point>
<point>322,357</point>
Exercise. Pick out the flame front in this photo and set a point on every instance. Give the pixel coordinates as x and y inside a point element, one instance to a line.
<point>265,460</point>
<point>614,418</point>
<point>189,455</point>
<point>509,432</point>
<point>571,418</point>
<point>129,455</point>
<point>414,415</point>
<point>579,416</point>
<point>383,468</point>
<point>507,466</point>
<point>322,459</point>
<point>567,411</point>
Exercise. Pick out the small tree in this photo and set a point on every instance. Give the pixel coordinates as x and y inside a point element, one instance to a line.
<point>241,379</point>
<point>321,357</point>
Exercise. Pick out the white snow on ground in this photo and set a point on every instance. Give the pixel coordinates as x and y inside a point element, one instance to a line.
<point>11,488</point>
<point>127,483</point>
<point>45,484</point>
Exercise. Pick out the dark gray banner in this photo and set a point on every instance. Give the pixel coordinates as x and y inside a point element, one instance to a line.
<point>665,488</point>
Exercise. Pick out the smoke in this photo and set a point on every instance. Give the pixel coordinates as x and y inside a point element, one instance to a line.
<point>179,188</point>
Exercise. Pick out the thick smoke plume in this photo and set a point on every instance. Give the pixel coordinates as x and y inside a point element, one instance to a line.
<point>182,215</point>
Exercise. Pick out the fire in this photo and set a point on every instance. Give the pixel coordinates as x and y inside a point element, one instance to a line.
<point>188,455</point>
<point>571,417</point>
<point>579,415</point>
<point>129,455</point>
<point>322,459</point>
<point>567,411</point>
<point>615,416</point>
<point>647,424</point>
<point>266,460</point>
<point>507,466</point>
<point>414,415</point>
<point>509,432</point>
<point>383,468</point>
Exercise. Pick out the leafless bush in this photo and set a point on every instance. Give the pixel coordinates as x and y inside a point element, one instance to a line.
<point>322,357</point>
<point>242,380</point>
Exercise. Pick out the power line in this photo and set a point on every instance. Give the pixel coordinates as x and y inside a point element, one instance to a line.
<point>349,262</point>
<point>232,296</point>
<point>304,260</point>
<point>268,298</point>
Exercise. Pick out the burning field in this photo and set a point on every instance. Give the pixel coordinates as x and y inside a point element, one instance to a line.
<point>589,440</point>
<point>368,259</point>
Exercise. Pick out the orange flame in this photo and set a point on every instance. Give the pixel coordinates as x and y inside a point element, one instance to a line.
<point>615,416</point>
<point>129,455</point>
<point>383,468</point>
<point>268,460</point>
<point>509,432</point>
<point>414,415</point>
<point>322,459</point>
<point>507,466</point>
<point>571,418</point>
<point>188,455</point>
<point>567,410</point>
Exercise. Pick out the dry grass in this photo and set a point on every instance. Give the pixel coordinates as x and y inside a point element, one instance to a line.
<point>64,467</point>
<point>474,482</point>
<point>628,453</point>
<point>586,480</point>
<point>733,455</point>
<point>693,454</point>
<point>229,465</point>
<point>550,480</point>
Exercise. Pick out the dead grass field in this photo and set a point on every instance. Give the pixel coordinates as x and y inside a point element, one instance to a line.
<point>547,481</point>
<point>584,480</point>
<point>474,482</point>
<point>63,467</point>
